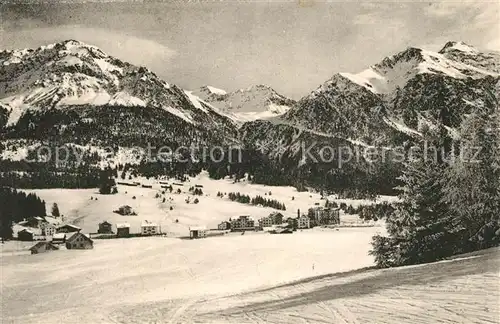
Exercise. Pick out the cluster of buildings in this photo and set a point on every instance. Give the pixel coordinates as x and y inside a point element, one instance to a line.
<point>67,235</point>
<point>41,229</point>
<point>52,236</point>
<point>317,216</point>
<point>123,229</point>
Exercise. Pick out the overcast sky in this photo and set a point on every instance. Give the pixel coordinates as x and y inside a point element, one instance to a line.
<point>292,46</point>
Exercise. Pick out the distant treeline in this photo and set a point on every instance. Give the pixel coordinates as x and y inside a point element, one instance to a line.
<point>258,200</point>
<point>16,206</point>
<point>349,182</point>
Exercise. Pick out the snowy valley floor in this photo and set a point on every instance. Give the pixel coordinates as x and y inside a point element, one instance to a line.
<point>259,278</point>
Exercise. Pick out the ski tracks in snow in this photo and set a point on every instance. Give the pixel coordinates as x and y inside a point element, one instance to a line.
<point>184,314</point>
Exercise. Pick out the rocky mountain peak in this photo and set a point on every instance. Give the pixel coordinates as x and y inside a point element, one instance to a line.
<point>458,46</point>
<point>255,102</point>
<point>70,75</point>
<point>410,54</point>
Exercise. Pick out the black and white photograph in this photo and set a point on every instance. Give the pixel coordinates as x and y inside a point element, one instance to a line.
<point>249,161</point>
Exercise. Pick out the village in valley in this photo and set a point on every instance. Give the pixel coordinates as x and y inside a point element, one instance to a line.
<point>60,232</point>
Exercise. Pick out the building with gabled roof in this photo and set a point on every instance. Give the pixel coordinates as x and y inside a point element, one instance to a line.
<point>122,230</point>
<point>105,228</point>
<point>42,247</point>
<point>303,221</point>
<point>68,228</point>
<point>224,226</point>
<point>79,241</point>
<point>33,222</point>
<point>25,235</point>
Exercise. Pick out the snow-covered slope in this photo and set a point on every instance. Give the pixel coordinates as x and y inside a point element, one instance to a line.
<point>255,102</point>
<point>71,75</point>
<point>456,60</point>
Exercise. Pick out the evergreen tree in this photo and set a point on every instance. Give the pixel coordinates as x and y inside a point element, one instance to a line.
<point>472,183</point>
<point>421,228</point>
<point>55,210</point>
<point>107,182</point>
<point>16,206</point>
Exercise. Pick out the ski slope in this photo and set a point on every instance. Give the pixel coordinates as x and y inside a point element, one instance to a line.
<point>462,290</point>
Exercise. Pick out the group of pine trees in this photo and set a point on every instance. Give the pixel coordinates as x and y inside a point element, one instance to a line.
<point>449,204</point>
<point>16,206</point>
<point>375,212</point>
<point>107,184</point>
<point>258,200</point>
<point>38,175</point>
<point>196,191</point>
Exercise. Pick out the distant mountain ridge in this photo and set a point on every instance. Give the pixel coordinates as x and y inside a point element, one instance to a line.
<point>388,105</point>
<point>71,92</point>
<point>402,93</point>
<point>255,102</point>
<point>77,79</point>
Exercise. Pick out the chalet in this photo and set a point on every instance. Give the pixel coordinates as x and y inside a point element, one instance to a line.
<point>48,229</point>
<point>122,230</point>
<point>105,228</point>
<point>59,238</point>
<point>197,232</point>
<point>198,186</point>
<point>225,225</point>
<point>243,223</point>
<point>79,241</point>
<point>303,222</point>
<point>68,228</point>
<point>42,247</point>
<point>25,235</point>
<point>149,228</point>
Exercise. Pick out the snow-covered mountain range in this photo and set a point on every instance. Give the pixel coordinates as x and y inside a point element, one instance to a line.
<point>395,98</point>
<point>71,92</point>
<point>255,102</point>
<point>100,92</point>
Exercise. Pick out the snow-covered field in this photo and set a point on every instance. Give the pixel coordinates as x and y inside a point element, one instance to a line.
<point>305,277</point>
<point>311,276</point>
<point>78,208</point>
<point>103,283</point>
